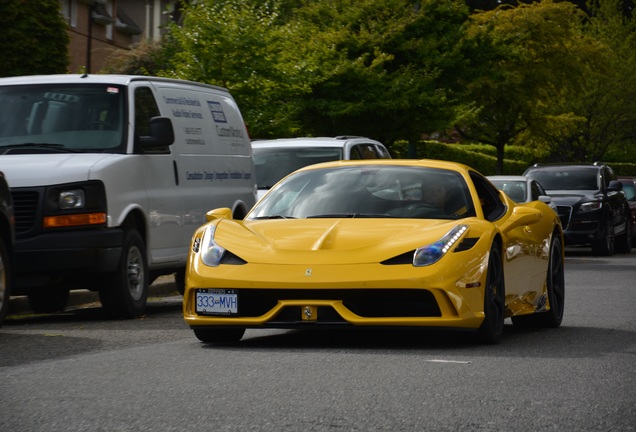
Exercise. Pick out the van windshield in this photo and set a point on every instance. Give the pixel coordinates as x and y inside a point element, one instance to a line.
<point>62,118</point>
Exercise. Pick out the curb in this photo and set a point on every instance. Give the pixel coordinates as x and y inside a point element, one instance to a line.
<point>163,286</point>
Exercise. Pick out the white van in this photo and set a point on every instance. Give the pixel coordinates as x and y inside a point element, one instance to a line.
<point>110,175</point>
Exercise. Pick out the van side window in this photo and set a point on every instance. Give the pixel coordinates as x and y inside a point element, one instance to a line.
<point>145,109</point>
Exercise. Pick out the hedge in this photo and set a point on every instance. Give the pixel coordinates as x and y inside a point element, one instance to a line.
<point>483,163</point>
<point>483,158</point>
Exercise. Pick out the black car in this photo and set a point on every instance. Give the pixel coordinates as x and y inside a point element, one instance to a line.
<point>6,246</point>
<point>591,204</point>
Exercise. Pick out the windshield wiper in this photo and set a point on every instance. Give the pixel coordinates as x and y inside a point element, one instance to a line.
<point>59,148</point>
<point>272,217</point>
<point>349,215</point>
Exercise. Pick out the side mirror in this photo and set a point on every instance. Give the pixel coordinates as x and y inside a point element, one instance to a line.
<point>219,213</point>
<point>545,199</point>
<point>161,133</point>
<point>522,216</point>
<point>615,186</point>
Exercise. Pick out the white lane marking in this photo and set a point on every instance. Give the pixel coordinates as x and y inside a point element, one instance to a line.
<point>448,361</point>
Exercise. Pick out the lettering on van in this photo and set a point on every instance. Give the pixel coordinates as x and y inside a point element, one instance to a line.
<point>216,109</point>
<point>218,175</point>
<point>178,112</point>
<point>181,101</point>
<point>194,135</point>
<point>229,132</point>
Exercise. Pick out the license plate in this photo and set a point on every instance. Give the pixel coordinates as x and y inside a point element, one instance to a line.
<point>216,302</point>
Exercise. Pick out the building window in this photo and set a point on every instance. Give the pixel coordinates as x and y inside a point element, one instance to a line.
<point>68,9</point>
<point>109,27</point>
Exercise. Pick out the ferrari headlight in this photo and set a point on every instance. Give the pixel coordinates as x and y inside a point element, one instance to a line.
<point>211,253</point>
<point>427,255</point>
<point>593,205</point>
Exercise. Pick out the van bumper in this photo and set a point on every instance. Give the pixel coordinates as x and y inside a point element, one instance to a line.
<point>65,255</point>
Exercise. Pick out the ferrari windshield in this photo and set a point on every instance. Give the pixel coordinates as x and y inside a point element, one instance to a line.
<point>62,118</point>
<point>368,191</point>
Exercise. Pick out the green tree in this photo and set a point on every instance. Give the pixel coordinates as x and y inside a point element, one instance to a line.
<point>250,48</point>
<point>145,58</point>
<point>607,100</point>
<point>388,68</point>
<point>33,38</point>
<point>379,68</point>
<point>528,62</point>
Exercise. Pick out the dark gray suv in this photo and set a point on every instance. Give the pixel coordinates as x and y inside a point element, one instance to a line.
<point>591,204</point>
<point>6,246</point>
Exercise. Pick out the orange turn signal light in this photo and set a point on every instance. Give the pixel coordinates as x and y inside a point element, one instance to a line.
<point>74,220</point>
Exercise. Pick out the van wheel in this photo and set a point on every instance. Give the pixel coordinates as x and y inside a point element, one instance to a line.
<point>48,299</point>
<point>179,281</point>
<point>124,293</point>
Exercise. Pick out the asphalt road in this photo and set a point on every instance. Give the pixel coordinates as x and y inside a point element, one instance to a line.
<point>78,371</point>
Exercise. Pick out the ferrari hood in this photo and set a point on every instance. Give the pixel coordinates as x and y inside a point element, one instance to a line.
<point>327,241</point>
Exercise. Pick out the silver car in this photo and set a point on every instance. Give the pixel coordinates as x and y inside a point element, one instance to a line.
<point>522,189</point>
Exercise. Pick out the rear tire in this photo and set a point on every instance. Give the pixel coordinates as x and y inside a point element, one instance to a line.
<point>491,328</point>
<point>209,335</point>
<point>555,281</point>
<point>124,293</point>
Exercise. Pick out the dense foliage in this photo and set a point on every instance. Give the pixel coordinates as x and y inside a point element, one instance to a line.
<point>33,38</point>
<point>548,76</point>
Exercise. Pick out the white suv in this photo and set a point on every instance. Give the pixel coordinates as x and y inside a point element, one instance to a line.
<point>274,159</point>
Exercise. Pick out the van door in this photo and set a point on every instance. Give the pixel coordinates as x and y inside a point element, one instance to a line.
<point>212,150</point>
<point>167,239</point>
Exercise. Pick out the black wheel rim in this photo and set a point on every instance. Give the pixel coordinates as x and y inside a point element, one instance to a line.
<point>495,293</point>
<point>556,289</point>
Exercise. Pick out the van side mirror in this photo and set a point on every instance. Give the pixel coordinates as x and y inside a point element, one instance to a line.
<point>161,133</point>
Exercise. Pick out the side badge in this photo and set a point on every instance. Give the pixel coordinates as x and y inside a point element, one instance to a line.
<point>308,272</point>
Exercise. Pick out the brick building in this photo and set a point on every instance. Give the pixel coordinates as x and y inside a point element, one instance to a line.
<point>99,27</point>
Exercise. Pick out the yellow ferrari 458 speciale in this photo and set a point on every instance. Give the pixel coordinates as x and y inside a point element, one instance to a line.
<point>382,243</point>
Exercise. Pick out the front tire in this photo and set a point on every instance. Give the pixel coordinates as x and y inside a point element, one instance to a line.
<point>555,281</point>
<point>223,335</point>
<point>605,245</point>
<point>124,293</point>
<point>491,328</point>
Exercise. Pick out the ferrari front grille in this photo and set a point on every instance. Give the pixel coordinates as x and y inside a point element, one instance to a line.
<point>369,303</point>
